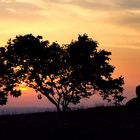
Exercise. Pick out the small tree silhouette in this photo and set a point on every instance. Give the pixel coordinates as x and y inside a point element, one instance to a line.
<point>63,74</point>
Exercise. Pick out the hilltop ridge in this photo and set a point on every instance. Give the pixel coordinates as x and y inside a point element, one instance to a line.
<point>94,123</point>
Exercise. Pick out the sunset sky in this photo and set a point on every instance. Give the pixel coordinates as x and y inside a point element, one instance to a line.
<point>115,24</point>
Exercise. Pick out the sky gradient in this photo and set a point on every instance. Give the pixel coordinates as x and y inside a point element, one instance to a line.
<point>115,24</point>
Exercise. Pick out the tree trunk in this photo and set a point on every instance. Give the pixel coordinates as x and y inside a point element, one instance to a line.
<point>53,102</point>
<point>58,108</point>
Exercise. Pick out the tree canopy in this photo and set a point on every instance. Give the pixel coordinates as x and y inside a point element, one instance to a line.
<point>7,80</point>
<point>64,74</point>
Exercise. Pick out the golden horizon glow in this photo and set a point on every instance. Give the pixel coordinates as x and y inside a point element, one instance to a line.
<point>22,86</point>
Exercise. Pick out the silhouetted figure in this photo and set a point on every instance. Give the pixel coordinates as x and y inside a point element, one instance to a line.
<point>135,102</point>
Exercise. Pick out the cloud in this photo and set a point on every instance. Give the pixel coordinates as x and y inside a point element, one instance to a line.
<point>103,12</point>
<point>35,3</point>
<point>128,4</point>
<point>126,19</point>
<point>99,5</point>
<point>130,18</point>
<point>89,4</point>
<point>106,4</point>
<point>118,12</point>
<point>16,9</point>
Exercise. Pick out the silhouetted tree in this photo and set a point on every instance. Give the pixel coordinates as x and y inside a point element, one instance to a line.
<point>89,72</point>
<point>63,74</point>
<point>7,79</point>
<point>39,64</point>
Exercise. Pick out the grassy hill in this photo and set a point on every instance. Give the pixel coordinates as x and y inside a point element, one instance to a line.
<point>95,123</point>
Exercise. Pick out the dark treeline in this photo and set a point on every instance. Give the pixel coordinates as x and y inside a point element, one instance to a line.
<point>64,74</point>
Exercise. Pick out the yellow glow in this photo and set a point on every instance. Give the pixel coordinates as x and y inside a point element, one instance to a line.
<point>22,86</point>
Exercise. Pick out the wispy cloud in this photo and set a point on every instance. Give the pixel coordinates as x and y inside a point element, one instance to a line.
<point>19,10</point>
<point>128,4</point>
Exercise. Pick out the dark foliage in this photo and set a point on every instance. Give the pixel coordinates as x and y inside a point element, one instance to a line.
<point>65,74</point>
<point>7,78</point>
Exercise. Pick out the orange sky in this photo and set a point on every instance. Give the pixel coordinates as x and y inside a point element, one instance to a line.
<point>115,24</point>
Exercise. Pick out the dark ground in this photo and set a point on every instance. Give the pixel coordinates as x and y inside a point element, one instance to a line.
<point>114,123</point>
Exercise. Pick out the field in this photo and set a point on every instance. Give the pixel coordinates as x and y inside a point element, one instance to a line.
<point>113,123</point>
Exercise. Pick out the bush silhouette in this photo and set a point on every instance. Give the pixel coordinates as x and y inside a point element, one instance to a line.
<point>135,102</point>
